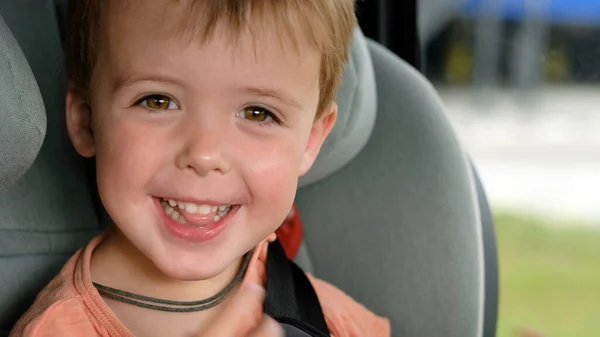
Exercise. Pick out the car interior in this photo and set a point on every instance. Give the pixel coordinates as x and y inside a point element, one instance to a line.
<point>391,187</point>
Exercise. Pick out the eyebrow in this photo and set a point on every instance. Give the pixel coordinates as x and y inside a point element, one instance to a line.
<point>127,80</point>
<point>124,81</point>
<point>273,93</point>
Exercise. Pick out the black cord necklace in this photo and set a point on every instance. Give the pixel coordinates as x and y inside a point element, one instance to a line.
<point>174,306</point>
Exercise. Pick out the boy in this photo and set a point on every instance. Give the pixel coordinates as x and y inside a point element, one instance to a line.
<point>201,114</point>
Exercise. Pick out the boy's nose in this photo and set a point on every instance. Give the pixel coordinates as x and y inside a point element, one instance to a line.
<point>203,153</point>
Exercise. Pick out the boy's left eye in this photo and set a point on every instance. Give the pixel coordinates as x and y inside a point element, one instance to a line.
<point>158,102</point>
<point>256,114</point>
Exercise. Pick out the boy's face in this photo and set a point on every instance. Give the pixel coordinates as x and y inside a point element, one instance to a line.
<point>227,123</point>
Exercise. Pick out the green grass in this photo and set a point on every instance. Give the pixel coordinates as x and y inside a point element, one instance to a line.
<point>550,277</point>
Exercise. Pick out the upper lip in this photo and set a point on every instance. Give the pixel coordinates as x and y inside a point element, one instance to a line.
<point>198,201</point>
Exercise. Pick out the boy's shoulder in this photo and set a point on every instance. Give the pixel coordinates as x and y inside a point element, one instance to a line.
<point>67,317</point>
<point>58,310</point>
<point>346,317</point>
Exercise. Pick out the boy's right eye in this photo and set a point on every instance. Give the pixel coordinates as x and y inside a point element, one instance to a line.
<point>157,102</point>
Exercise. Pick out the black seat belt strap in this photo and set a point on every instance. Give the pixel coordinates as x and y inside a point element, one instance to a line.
<point>290,298</point>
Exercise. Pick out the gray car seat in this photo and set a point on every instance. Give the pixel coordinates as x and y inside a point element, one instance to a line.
<point>391,209</point>
<point>23,124</point>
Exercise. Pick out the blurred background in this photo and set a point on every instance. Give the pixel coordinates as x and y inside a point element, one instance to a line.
<point>521,81</point>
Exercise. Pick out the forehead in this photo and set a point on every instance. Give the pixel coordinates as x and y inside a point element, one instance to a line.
<point>168,34</point>
<point>288,25</point>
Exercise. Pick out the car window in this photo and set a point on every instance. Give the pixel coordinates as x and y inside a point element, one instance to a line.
<point>521,81</point>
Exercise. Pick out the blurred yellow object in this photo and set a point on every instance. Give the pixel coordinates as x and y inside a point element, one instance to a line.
<point>557,65</point>
<point>459,63</point>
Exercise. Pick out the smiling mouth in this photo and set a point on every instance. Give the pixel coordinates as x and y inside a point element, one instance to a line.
<point>195,215</point>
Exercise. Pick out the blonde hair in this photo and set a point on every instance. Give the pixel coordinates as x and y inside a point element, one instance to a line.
<point>327,24</point>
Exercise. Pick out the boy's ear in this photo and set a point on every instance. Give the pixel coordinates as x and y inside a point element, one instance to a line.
<point>319,132</point>
<point>79,123</point>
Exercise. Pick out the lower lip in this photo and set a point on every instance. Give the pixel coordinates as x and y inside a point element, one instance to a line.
<point>192,234</point>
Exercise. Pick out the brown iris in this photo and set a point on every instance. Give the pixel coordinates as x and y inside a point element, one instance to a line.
<point>256,114</point>
<point>158,102</point>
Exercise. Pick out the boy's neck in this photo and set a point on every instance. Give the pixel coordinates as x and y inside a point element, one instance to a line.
<point>118,264</point>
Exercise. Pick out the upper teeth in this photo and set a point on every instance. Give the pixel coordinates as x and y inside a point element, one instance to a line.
<point>195,208</point>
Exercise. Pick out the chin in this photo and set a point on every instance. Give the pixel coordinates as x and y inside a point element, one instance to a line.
<point>194,275</point>
<point>192,268</point>
<point>184,272</point>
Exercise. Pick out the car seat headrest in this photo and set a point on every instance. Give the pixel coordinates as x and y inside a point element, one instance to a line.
<point>357,108</point>
<point>22,113</point>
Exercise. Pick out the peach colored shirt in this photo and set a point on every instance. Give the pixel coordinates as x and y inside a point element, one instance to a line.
<point>70,306</point>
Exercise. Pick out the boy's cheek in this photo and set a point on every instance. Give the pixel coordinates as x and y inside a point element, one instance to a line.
<point>127,163</point>
<point>127,141</point>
